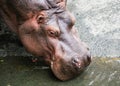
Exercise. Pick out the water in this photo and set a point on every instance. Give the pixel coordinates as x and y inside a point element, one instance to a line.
<point>20,71</point>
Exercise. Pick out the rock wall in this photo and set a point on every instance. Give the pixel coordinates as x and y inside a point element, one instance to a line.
<point>98,23</point>
<point>10,45</point>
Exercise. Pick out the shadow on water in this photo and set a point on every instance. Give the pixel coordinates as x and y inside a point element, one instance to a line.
<point>21,71</point>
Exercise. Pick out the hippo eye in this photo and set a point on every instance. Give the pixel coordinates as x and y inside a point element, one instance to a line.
<point>40,19</point>
<point>52,33</point>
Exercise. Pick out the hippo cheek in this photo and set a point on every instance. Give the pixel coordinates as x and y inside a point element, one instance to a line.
<point>64,70</point>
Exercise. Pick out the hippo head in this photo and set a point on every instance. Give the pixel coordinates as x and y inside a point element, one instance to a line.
<point>46,30</point>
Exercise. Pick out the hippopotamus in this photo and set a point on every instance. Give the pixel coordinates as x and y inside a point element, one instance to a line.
<point>46,30</point>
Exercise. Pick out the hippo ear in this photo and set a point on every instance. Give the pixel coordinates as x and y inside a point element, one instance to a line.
<point>65,1</point>
<point>62,3</point>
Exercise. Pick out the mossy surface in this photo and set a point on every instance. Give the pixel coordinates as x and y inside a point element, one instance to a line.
<point>20,71</point>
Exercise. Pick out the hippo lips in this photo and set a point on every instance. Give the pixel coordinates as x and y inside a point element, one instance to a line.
<point>64,71</point>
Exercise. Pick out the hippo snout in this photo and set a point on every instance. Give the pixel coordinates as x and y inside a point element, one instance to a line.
<point>81,62</point>
<point>70,66</point>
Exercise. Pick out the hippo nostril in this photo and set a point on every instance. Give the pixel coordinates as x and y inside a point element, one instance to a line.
<point>89,58</point>
<point>76,62</point>
<point>88,48</point>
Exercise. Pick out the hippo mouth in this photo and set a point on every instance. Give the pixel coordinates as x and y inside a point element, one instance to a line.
<point>64,70</point>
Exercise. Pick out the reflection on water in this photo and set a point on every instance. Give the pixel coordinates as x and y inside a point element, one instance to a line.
<point>20,71</point>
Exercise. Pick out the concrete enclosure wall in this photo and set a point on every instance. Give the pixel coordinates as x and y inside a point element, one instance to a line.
<point>98,23</point>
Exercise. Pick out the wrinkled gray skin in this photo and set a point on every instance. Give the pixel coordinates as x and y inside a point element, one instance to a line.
<point>46,29</point>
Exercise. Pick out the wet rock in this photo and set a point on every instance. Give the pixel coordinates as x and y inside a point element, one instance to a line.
<point>10,44</point>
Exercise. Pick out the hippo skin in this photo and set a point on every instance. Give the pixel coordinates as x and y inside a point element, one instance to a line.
<point>45,28</point>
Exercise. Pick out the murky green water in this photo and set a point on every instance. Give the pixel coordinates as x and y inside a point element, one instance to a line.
<point>19,71</point>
